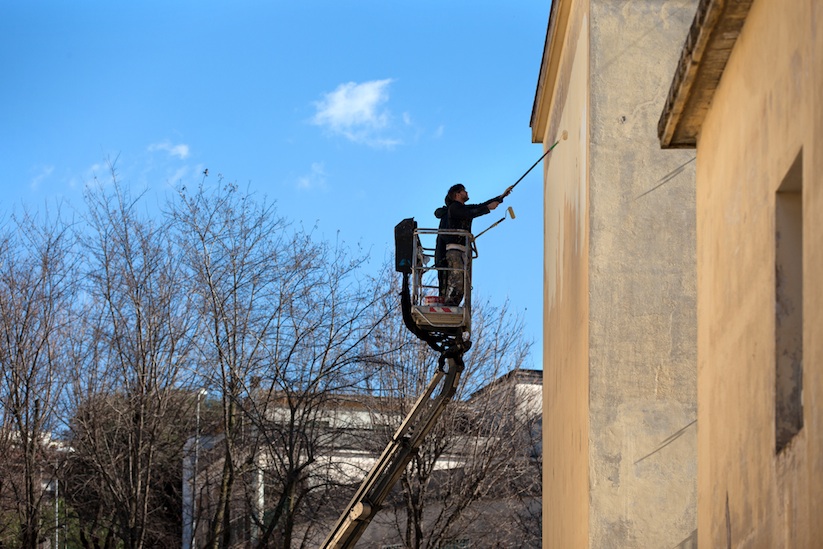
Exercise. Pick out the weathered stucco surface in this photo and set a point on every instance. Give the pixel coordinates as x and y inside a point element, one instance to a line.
<point>643,390</point>
<point>620,436</point>
<point>766,113</point>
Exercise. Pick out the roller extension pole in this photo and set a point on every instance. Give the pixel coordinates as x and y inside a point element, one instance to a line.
<point>563,137</point>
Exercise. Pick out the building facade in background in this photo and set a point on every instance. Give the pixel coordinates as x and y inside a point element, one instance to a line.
<point>481,465</point>
<point>620,356</point>
<point>748,96</point>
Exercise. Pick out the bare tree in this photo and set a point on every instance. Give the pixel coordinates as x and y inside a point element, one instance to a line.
<point>233,248</point>
<point>35,302</point>
<point>130,353</point>
<point>284,319</point>
<point>321,354</point>
<point>220,292</point>
<point>104,422</point>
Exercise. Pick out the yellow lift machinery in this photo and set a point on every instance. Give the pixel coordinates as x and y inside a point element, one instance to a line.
<point>446,329</point>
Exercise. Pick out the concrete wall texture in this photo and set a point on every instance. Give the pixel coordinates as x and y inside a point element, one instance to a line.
<point>759,187</point>
<point>620,354</point>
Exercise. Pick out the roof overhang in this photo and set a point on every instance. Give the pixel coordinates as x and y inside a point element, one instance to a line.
<point>546,80</point>
<point>712,36</point>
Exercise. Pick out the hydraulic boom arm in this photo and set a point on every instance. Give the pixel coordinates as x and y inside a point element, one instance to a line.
<point>447,339</point>
<point>402,447</point>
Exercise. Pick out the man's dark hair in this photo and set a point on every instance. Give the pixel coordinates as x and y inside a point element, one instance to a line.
<point>453,190</point>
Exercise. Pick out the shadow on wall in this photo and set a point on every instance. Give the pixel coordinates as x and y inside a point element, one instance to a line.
<point>688,543</point>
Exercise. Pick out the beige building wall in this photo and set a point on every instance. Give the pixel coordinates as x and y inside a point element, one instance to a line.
<point>566,297</point>
<point>620,316</point>
<point>760,300</point>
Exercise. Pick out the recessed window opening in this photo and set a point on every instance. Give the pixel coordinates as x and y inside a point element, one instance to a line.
<point>788,318</point>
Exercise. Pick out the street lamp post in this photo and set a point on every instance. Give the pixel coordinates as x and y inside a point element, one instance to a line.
<point>189,495</point>
<point>56,509</point>
<point>200,394</point>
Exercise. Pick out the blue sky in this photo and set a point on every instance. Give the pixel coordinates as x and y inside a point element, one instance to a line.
<point>351,114</point>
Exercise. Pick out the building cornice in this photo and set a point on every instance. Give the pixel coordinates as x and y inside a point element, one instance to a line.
<point>547,78</point>
<point>713,33</point>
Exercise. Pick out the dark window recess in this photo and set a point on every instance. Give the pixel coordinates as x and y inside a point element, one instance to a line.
<point>788,317</point>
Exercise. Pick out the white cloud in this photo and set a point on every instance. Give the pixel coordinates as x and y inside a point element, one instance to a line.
<point>178,176</point>
<point>181,150</point>
<point>357,111</point>
<point>315,179</point>
<point>43,174</point>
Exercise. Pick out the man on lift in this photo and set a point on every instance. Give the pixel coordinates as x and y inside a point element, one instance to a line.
<point>450,251</point>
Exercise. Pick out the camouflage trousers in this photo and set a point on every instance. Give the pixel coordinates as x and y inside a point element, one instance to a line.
<point>456,277</point>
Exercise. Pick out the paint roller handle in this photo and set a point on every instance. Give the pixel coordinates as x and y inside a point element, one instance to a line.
<point>564,136</point>
<point>487,229</point>
<point>509,211</point>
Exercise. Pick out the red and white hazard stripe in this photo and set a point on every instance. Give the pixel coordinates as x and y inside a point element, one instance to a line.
<point>440,309</point>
